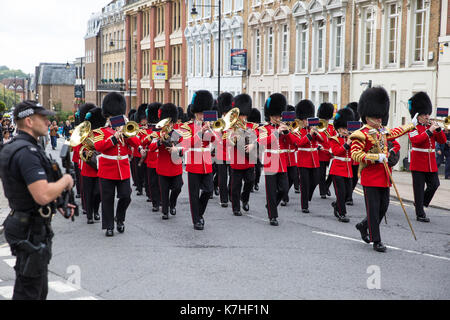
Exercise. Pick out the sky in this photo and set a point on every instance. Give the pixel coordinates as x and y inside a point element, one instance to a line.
<point>35,31</point>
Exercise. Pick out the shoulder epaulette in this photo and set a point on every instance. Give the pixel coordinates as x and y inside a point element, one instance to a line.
<point>358,135</point>
<point>98,135</point>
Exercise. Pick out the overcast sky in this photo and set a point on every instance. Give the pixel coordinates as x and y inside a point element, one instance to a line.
<point>33,31</point>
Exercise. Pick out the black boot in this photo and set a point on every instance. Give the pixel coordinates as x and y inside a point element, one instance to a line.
<point>423,218</point>
<point>109,232</point>
<point>363,231</point>
<point>273,222</point>
<point>120,227</point>
<point>379,246</point>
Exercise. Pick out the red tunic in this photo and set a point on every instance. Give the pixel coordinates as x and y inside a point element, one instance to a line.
<point>423,154</point>
<point>152,157</point>
<point>168,164</point>
<point>341,165</point>
<point>76,154</point>
<point>307,155</point>
<point>238,159</point>
<point>325,151</point>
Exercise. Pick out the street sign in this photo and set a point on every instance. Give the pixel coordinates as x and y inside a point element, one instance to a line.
<point>78,91</point>
<point>239,59</point>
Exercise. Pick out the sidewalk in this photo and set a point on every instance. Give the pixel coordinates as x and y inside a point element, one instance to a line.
<point>403,181</point>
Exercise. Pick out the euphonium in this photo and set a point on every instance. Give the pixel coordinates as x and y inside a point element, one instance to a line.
<point>228,121</point>
<point>82,134</point>
<point>131,129</point>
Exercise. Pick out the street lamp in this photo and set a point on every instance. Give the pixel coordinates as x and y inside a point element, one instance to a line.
<point>194,13</point>
<point>67,66</point>
<point>111,44</point>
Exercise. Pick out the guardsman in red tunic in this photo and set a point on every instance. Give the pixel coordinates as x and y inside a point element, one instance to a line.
<point>170,160</point>
<point>325,112</point>
<point>308,154</point>
<point>113,165</point>
<point>275,138</point>
<point>423,156</point>
<point>131,114</point>
<point>255,117</point>
<point>198,137</point>
<point>355,165</point>
<point>140,117</point>
<point>374,107</point>
<point>243,156</point>
<point>341,166</point>
<point>89,173</point>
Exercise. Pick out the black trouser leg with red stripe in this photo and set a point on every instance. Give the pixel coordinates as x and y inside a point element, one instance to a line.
<point>236,186</point>
<point>324,183</point>
<point>170,190</point>
<point>222,181</point>
<point>423,197</point>
<point>91,195</point>
<point>107,191</point>
<point>276,187</point>
<point>153,182</point>
<point>354,181</point>
<point>309,178</point>
<point>292,174</point>
<point>133,170</point>
<point>77,178</point>
<point>377,203</point>
<point>342,189</point>
<point>139,173</point>
<point>198,202</point>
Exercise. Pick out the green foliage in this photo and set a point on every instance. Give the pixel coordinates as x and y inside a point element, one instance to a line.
<point>7,96</point>
<point>2,107</point>
<point>6,73</point>
<point>61,116</point>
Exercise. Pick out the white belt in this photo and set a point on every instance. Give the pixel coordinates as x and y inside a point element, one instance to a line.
<point>343,159</point>
<point>291,150</point>
<point>113,157</point>
<point>307,149</point>
<point>276,151</point>
<point>199,149</point>
<point>423,150</point>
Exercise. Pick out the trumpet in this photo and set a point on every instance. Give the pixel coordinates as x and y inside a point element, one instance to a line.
<point>293,126</point>
<point>445,121</point>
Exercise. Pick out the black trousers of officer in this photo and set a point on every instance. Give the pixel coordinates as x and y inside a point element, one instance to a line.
<point>222,181</point>
<point>248,176</point>
<point>77,178</point>
<point>91,195</point>
<point>154,190</point>
<point>292,173</point>
<point>276,187</point>
<point>107,191</point>
<point>170,190</point>
<point>26,288</point>
<point>324,182</point>
<point>423,197</point>
<point>140,173</point>
<point>377,203</point>
<point>198,202</point>
<point>343,190</point>
<point>309,178</point>
<point>354,181</point>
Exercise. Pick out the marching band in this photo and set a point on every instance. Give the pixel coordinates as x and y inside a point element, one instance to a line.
<point>154,143</point>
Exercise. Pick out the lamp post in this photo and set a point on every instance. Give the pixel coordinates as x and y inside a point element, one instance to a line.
<point>194,13</point>
<point>111,44</point>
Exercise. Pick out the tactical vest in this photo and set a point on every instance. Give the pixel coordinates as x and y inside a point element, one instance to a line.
<point>19,197</point>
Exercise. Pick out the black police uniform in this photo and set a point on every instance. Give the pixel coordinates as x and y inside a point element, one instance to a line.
<point>23,162</point>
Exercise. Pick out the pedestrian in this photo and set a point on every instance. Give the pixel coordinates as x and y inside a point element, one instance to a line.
<point>67,130</point>
<point>54,134</point>
<point>443,154</point>
<point>373,108</point>
<point>6,137</point>
<point>31,189</point>
<point>423,164</point>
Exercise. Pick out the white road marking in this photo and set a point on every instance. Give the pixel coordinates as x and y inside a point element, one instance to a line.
<point>84,298</point>
<point>5,252</point>
<point>6,292</point>
<point>10,262</point>
<point>390,247</point>
<point>61,287</point>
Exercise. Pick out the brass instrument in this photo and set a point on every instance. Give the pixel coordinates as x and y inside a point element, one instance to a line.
<point>82,134</point>
<point>165,126</point>
<point>131,129</point>
<point>445,121</point>
<point>323,125</point>
<point>230,120</point>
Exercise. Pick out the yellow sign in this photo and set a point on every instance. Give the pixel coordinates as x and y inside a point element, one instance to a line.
<point>160,70</point>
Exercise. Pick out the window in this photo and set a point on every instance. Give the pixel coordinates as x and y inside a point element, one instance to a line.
<point>238,5</point>
<point>207,59</point>
<point>226,6</point>
<point>207,8</point>
<point>216,57</point>
<point>191,59</point>
<point>269,50</point>
<point>284,49</point>
<point>257,49</point>
<point>393,32</point>
<point>176,15</point>
<point>419,30</point>
<point>198,59</point>
<point>369,36</point>
<point>302,47</point>
<point>320,44</point>
<point>226,55</point>
<point>338,26</point>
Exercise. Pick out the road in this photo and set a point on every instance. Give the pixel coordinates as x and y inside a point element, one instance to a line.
<point>308,256</point>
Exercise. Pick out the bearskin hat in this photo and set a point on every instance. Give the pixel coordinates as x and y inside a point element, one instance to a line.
<point>420,103</point>
<point>189,114</point>
<point>244,103</point>
<point>342,117</point>
<point>275,105</point>
<point>325,111</point>
<point>84,109</point>
<point>96,118</point>
<point>202,100</point>
<point>354,107</point>
<point>113,105</point>
<point>168,110</point>
<point>290,108</point>
<point>374,102</point>
<point>254,116</point>
<point>304,109</point>
<point>131,114</point>
<point>224,102</point>
<point>141,113</point>
<point>180,114</point>
<point>152,112</point>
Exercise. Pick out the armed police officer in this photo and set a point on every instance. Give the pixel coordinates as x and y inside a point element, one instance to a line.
<point>31,188</point>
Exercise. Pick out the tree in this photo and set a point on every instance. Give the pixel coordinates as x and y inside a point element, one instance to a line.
<point>7,96</point>
<point>6,73</point>
<point>2,107</point>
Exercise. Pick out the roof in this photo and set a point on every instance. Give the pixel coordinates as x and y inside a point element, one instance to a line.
<point>56,74</point>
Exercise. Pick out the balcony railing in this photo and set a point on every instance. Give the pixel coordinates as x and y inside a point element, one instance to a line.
<point>111,86</point>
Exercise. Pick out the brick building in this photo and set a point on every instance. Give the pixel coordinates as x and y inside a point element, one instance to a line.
<point>92,57</point>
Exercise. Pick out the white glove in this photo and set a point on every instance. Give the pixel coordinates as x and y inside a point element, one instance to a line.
<point>414,120</point>
<point>382,157</point>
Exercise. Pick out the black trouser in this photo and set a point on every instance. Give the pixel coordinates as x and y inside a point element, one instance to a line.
<point>133,170</point>
<point>343,190</point>
<point>292,173</point>
<point>309,177</point>
<point>26,288</point>
<point>198,203</point>
<point>248,175</point>
<point>258,167</point>
<point>276,186</point>
<point>324,182</point>
<point>140,174</point>
<point>77,178</point>
<point>91,195</point>
<point>221,180</point>
<point>377,203</point>
<point>423,197</point>
<point>354,181</point>
<point>170,189</point>
<point>154,190</point>
<point>107,191</point>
